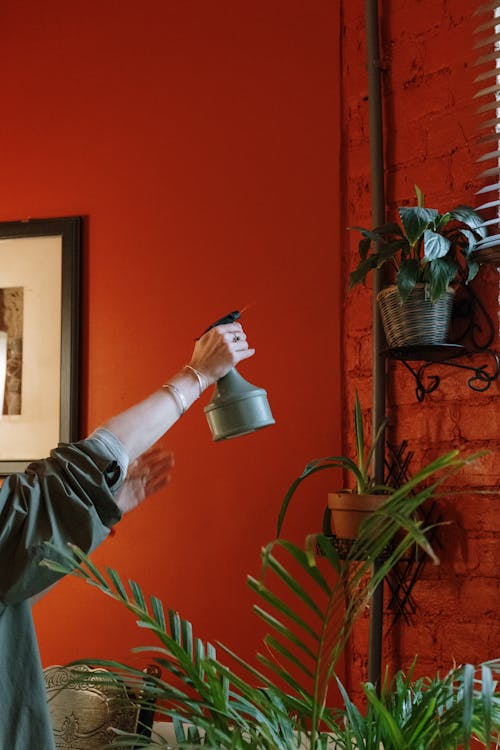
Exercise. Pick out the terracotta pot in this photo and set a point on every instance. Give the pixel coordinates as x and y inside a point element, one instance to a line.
<point>416,322</point>
<point>349,510</point>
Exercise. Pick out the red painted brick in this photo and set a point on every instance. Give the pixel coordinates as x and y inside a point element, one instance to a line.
<point>430,141</point>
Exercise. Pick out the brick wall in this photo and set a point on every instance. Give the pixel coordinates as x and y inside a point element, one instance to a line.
<point>429,132</point>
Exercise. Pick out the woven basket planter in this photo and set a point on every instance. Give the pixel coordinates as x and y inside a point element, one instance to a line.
<point>416,322</point>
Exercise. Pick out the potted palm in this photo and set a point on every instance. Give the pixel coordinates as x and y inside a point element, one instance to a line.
<point>346,508</point>
<point>427,254</point>
<point>424,713</point>
<point>284,703</point>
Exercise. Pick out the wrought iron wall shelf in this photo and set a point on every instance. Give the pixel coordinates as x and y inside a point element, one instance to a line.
<point>405,574</point>
<point>471,335</point>
<point>446,355</point>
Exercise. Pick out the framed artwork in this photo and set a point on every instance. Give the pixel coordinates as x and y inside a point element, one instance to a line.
<point>39,338</point>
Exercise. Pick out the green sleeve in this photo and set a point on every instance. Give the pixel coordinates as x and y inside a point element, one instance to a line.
<point>68,497</point>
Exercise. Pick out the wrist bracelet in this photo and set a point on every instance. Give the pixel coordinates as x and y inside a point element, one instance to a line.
<point>178,397</point>
<point>200,377</point>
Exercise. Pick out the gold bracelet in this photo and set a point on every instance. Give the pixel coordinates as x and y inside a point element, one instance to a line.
<point>178,397</point>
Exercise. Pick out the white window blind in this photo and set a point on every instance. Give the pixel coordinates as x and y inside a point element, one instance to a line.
<point>488,93</point>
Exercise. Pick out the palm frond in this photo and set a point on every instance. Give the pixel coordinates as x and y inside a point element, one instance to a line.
<point>320,464</point>
<point>441,713</point>
<point>360,439</point>
<point>309,600</point>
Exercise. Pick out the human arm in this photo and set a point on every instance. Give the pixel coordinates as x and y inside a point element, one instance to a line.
<point>74,495</point>
<point>215,353</point>
<point>146,475</point>
<point>67,497</point>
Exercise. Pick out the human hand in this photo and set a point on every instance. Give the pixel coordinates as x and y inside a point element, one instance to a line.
<point>146,475</point>
<point>220,349</point>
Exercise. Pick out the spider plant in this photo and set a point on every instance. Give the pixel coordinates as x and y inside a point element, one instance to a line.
<point>223,702</point>
<point>360,467</point>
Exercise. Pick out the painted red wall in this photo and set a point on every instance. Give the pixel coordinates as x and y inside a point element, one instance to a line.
<point>200,142</point>
<point>430,129</point>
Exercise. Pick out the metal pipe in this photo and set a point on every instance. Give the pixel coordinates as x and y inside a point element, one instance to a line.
<point>378,342</point>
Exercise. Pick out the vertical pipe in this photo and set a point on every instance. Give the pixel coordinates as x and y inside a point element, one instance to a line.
<point>378,366</point>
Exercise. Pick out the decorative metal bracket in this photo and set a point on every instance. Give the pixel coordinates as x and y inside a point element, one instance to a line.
<point>471,335</point>
<point>405,574</point>
<point>446,355</point>
<point>470,323</point>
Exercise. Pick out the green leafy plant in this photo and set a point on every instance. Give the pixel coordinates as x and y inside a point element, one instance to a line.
<point>359,467</point>
<point>225,702</point>
<point>427,247</point>
<point>429,713</point>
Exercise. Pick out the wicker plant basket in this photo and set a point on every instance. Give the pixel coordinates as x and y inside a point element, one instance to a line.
<point>416,322</point>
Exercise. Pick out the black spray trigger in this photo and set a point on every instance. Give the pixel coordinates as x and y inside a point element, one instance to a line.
<point>229,318</point>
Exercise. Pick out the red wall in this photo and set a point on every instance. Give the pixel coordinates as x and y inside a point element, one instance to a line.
<point>429,130</point>
<point>200,142</point>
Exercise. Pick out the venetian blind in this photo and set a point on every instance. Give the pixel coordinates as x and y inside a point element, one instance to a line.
<point>487,81</point>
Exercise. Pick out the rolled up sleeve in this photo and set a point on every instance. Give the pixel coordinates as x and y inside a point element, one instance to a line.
<point>68,497</point>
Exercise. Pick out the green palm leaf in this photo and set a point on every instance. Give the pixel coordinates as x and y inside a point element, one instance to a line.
<point>303,601</point>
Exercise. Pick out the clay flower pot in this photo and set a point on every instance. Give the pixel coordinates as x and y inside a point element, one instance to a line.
<point>348,511</point>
